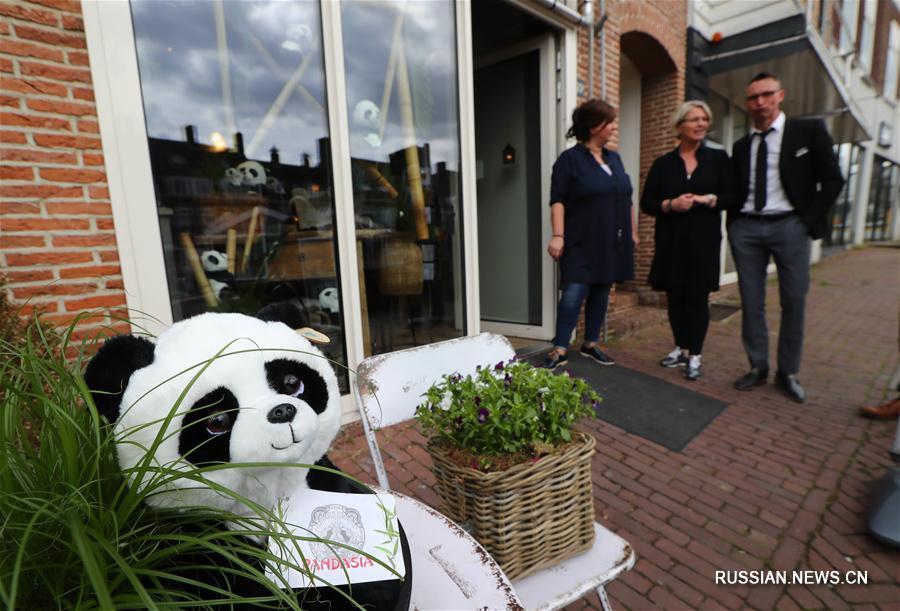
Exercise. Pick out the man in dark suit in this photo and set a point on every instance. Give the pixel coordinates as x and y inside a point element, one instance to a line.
<point>788,179</point>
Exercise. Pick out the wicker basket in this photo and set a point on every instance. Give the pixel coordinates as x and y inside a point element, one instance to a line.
<point>530,516</point>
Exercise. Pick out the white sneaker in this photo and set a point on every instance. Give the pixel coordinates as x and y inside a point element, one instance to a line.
<point>692,371</point>
<point>676,358</point>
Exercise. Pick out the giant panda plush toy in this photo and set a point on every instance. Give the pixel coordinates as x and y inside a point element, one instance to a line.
<point>274,398</point>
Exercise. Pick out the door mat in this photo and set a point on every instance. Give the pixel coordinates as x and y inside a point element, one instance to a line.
<point>720,311</point>
<point>651,408</point>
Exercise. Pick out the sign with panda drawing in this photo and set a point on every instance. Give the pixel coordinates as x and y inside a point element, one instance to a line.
<point>340,538</point>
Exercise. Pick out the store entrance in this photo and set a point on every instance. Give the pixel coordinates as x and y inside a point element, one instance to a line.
<point>515,145</point>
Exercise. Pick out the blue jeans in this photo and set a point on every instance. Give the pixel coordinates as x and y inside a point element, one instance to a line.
<point>569,305</point>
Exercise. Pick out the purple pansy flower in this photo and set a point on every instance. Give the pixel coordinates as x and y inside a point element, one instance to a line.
<point>483,415</point>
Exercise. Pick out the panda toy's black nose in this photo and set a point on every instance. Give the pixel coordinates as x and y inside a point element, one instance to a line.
<point>282,413</point>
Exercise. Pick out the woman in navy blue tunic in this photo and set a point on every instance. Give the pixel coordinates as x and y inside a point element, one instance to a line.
<point>590,211</point>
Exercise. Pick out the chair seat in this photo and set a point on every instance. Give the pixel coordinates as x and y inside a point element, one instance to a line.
<point>559,585</point>
<point>450,569</point>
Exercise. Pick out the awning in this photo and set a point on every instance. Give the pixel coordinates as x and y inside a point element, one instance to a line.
<point>812,86</point>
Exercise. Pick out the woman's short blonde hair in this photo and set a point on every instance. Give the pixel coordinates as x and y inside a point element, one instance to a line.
<point>684,109</point>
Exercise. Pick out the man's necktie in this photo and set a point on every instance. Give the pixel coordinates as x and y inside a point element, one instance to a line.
<point>762,169</point>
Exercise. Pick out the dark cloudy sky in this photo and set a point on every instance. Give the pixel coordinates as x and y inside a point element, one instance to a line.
<point>181,80</point>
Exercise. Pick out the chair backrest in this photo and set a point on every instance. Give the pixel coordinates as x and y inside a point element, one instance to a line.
<point>389,387</point>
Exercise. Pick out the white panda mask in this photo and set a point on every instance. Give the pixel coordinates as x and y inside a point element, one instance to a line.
<point>214,261</point>
<point>270,397</point>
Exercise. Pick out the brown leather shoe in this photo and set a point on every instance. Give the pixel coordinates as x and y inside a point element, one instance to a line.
<point>891,410</point>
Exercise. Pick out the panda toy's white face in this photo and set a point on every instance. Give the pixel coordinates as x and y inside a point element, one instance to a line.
<point>366,114</point>
<point>213,261</point>
<point>253,173</point>
<point>269,397</point>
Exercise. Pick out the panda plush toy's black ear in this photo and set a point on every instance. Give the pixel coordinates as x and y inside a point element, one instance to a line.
<point>286,312</point>
<point>108,372</point>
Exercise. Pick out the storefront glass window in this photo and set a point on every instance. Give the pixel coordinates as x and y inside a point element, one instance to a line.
<point>719,107</point>
<point>883,188</point>
<point>401,75</point>
<point>841,223</point>
<point>234,99</point>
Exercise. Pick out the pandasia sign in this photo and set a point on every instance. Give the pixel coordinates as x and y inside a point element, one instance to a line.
<point>337,538</point>
<point>346,562</point>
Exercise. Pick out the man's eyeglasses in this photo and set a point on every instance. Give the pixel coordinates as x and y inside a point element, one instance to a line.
<point>763,95</point>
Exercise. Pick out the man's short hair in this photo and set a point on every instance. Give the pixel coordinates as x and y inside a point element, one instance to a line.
<point>761,76</point>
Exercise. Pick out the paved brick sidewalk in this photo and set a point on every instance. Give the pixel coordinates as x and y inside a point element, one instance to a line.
<point>770,484</point>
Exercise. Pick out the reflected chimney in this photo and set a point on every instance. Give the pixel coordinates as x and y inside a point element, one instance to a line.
<point>273,156</point>
<point>239,142</point>
<point>305,160</point>
<point>190,134</point>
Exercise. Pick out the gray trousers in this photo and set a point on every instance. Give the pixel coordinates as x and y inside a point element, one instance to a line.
<point>753,243</point>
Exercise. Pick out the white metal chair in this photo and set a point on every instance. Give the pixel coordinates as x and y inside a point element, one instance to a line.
<point>388,389</point>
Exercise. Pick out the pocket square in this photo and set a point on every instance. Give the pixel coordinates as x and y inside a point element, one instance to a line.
<point>801,152</point>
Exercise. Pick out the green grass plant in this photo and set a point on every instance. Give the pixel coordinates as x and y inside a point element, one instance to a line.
<point>75,535</point>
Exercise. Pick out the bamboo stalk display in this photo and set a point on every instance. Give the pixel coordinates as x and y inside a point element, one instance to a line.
<point>231,249</point>
<point>413,169</point>
<point>248,245</point>
<point>197,267</point>
<point>378,179</point>
<point>389,75</point>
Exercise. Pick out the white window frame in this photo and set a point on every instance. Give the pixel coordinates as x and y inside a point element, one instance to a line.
<point>892,62</point>
<point>849,17</point>
<point>123,132</point>
<point>120,111</point>
<point>867,36</point>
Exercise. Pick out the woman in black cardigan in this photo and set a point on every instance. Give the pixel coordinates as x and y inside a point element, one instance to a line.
<point>686,190</point>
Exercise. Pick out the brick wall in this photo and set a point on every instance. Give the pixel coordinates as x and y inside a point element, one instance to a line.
<point>654,39</point>
<point>57,242</point>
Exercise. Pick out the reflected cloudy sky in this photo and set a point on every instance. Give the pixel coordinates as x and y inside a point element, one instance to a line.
<point>428,39</point>
<point>179,61</point>
<point>267,42</point>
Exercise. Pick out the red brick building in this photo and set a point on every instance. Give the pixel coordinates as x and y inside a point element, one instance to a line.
<point>78,192</point>
<point>58,242</point>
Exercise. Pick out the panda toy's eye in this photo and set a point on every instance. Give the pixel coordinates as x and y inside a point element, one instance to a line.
<point>219,423</point>
<point>292,385</point>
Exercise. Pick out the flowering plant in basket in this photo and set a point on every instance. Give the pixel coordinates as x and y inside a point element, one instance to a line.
<point>505,414</point>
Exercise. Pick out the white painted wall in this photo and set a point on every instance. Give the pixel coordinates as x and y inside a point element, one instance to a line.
<point>733,16</point>
<point>630,122</point>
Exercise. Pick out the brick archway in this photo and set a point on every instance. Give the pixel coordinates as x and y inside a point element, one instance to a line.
<point>659,57</point>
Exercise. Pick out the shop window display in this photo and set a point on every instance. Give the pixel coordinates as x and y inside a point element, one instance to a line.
<point>401,75</point>
<point>234,100</point>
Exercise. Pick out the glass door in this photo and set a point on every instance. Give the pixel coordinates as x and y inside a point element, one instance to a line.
<point>402,104</point>
<point>514,149</point>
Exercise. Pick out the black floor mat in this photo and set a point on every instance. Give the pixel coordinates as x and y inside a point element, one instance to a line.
<point>654,409</point>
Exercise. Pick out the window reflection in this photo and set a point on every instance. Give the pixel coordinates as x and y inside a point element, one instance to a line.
<point>401,74</point>
<point>234,100</point>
